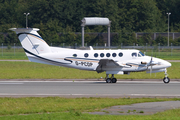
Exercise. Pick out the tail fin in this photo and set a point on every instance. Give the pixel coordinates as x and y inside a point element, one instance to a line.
<point>31,41</point>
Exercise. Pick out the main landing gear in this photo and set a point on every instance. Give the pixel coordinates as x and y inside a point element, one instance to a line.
<point>110,80</point>
<point>166,78</point>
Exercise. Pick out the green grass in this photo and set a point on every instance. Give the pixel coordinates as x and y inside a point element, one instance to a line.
<point>11,54</point>
<point>74,108</point>
<point>30,70</point>
<point>31,105</point>
<point>165,55</point>
<point>168,115</point>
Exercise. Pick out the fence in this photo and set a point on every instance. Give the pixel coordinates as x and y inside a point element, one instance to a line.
<point>17,52</point>
<point>72,38</point>
<point>154,35</point>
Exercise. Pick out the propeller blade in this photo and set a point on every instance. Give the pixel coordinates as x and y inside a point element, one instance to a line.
<point>151,60</point>
<point>150,70</point>
<point>149,63</point>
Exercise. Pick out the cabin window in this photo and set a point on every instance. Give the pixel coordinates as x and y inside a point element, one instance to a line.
<point>108,55</point>
<point>114,54</point>
<point>134,54</point>
<point>86,55</point>
<point>95,55</point>
<point>74,55</point>
<point>120,54</point>
<point>102,54</point>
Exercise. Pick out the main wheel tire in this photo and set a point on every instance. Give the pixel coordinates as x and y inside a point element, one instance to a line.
<point>166,80</point>
<point>108,80</point>
<point>114,80</point>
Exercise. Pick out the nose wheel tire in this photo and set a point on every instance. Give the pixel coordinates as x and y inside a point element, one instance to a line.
<point>166,80</point>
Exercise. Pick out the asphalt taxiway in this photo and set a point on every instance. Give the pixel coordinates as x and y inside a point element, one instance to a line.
<point>89,89</point>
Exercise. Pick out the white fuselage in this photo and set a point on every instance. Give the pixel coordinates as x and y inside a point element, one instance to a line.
<point>89,59</point>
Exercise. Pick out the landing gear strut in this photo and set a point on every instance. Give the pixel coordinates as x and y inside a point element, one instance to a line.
<point>110,80</point>
<point>166,78</point>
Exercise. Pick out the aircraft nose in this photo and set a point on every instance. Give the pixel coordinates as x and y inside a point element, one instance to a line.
<point>167,64</point>
<point>162,63</point>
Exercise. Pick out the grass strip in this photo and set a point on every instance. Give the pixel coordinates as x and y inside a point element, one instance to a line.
<point>30,70</point>
<point>167,115</point>
<point>29,105</point>
<point>73,108</point>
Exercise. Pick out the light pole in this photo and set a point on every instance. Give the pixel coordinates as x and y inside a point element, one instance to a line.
<point>168,27</point>
<point>26,19</point>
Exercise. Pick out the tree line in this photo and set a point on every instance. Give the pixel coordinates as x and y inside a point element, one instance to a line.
<point>59,20</point>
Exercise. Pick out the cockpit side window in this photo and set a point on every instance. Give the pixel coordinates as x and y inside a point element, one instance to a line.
<point>134,54</point>
<point>140,53</point>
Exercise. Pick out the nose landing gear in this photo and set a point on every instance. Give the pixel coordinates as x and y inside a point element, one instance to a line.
<point>166,78</point>
<point>110,80</point>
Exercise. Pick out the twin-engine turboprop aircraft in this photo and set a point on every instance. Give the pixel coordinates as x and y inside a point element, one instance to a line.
<point>111,61</point>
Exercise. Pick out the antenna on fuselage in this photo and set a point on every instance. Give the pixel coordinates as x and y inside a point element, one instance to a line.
<point>91,48</point>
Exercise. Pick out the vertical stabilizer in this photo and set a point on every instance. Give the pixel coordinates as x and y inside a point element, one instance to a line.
<point>31,41</point>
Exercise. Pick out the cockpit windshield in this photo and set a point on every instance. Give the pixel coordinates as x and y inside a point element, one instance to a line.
<point>140,54</point>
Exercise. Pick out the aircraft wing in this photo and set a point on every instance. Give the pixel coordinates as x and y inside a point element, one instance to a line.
<point>108,63</point>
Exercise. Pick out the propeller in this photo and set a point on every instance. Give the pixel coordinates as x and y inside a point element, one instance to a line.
<point>150,64</point>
